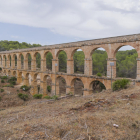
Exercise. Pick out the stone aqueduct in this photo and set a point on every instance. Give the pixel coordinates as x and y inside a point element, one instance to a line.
<point>111,45</point>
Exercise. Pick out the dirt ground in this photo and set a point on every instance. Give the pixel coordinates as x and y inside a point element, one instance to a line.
<point>100,116</point>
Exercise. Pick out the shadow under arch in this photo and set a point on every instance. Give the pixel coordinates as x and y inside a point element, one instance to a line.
<point>15,73</point>
<point>62,57</point>
<point>126,61</point>
<point>61,86</point>
<point>96,86</point>
<point>5,60</point>
<point>15,60</point>
<point>9,73</point>
<point>99,61</point>
<point>78,57</point>
<point>77,86</point>
<point>48,84</point>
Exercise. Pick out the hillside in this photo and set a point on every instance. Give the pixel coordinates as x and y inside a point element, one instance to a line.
<point>78,118</point>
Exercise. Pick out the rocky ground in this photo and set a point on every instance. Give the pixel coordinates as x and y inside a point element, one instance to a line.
<point>101,116</point>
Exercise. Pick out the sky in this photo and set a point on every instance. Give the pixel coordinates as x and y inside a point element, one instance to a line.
<point>48,22</point>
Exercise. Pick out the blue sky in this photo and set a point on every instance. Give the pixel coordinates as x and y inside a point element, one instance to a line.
<point>48,22</point>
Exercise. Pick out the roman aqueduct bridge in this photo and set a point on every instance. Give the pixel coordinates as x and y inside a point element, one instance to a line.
<point>111,45</point>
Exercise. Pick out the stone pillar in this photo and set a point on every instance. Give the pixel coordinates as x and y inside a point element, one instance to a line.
<point>87,92</point>
<point>18,64</point>
<point>138,69</point>
<point>34,88</point>
<point>25,64</point>
<point>19,80</point>
<point>43,65</point>
<point>43,88</point>
<point>54,67</point>
<point>8,63</point>
<point>26,82</point>
<point>33,65</point>
<point>3,63</point>
<point>53,89</point>
<point>70,66</point>
<point>109,68</point>
<point>88,67</point>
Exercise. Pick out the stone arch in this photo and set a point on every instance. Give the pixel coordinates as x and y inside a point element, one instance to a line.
<point>21,59</point>
<point>4,72</point>
<point>61,56</point>
<point>9,72</point>
<point>98,60</point>
<point>9,60</point>
<point>37,57</point>
<point>4,60</point>
<point>15,60</point>
<point>14,73</point>
<point>77,88</point>
<point>126,61</point>
<point>48,56</point>
<point>28,58</point>
<point>61,86</point>
<point>47,81</point>
<point>19,77</point>
<point>120,46</point>
<point>80,64</point>
<point>96,86</point>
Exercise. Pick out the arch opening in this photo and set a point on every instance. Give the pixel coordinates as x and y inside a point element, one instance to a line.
<point>38,61</point>
<point>15,60</point>
<point>48,57</point>
<point>77,87</point>
<point>61,86</point>
<point>97,86</point>
<point>78,57</point>
<point>29,60</point>
<point>126,63</point>
<point>62,57</point>
<point>5,64</point>
<point>47,79</point>
<point>22,61</point>
<point>99,61</point>
<point>14,73</point>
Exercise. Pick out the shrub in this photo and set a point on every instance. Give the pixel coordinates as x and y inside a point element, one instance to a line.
<point>2,81</point>
<point>53,97</point>
<point>47,97</point>
<point>25,88</point>
<point>99,74</point>
<point>121,84</point>
<point>49,88</point>
<point>2,90</point>
<point>0,98</point>
<point>0,68</point>
<point>38,96</point>
<point>13,82</point>
<point>4,77</point>
<point>10,85</point>
<point>23,96</point>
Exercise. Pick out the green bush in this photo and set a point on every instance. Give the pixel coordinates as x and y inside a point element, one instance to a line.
<point>53,97</point>
<point>2,90</point>
<point>99,74</point>
<point>38,96</point>
<point>4,77</point>
<point>25,88</point>
<point>49,88</point>
<point>48,97</point>
<point>2,81</point>
<point>0,68</point>
<point>121,84</point>
<point>12,80</point>
<point>23,96</point>
<point>10,85</point>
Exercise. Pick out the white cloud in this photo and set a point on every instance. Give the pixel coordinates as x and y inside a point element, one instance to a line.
<point>79,18</point>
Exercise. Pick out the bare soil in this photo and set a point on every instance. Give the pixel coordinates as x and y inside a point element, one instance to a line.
<point>101,116</point>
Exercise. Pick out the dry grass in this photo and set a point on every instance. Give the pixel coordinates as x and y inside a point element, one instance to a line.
<point>75,118</point>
